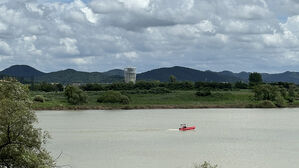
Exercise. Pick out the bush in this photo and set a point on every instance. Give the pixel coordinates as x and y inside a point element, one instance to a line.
<point>113,97</point>
<point>75,95</point>
<point>203,93</point>
<point>159,90</point>
<point>205,165</point>
<point>266,104</point>
<point>39,98</point>
<point>279,101</point>
<point>241,85</point>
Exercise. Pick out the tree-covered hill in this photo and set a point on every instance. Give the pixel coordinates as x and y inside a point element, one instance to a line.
<point>73,76</point>
<point>27,74</point>
<point>21,71</point>
<point>185,74</point>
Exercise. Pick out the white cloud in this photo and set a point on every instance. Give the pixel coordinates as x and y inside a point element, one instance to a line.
<point>104,34</point>
<point>91,17</point>
<point>3,27</point>
<point>69,46</point>
<point>5,49</point>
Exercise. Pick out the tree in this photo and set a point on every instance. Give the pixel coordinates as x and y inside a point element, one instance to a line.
<point>172,79</point>
<point>255,79</point>
<point>266,92</point>
<point>21,143</point>
<point>75,95</point>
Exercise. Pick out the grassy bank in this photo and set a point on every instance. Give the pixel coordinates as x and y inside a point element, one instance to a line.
<point>176,99</point>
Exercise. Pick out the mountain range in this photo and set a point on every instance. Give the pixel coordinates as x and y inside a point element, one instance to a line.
<point>162,74</point>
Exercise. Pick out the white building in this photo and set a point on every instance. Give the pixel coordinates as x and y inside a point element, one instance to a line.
<point>130,75</point>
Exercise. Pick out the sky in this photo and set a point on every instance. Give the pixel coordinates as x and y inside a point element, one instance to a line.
<point>99,35</point>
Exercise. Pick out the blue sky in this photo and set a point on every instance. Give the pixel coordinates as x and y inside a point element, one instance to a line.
<point>99,35</point>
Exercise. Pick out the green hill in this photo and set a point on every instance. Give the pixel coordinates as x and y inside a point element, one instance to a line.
<point>24,71</point>
<point>26,74</point>
<point>185,74</point>
<point>73,76</point>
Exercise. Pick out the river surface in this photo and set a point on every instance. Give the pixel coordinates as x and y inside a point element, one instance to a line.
<point>231,138</point>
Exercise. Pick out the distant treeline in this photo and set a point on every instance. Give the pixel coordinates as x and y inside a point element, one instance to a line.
<point>147,85</point>
<point>46,87</point>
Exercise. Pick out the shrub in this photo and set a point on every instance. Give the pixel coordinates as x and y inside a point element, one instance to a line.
<point>113,97</point>
<point>159,90</point>
<point>39,98</point>
<point>266,104</point>
<point>202,93</point>
<point>75,95</point>
<point>279,101</point>
<point>205,165</point>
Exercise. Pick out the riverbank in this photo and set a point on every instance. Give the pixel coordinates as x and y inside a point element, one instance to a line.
<point>174,100</point>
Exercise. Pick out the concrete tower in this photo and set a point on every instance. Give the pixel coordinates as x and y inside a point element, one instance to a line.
<point>130,75</point>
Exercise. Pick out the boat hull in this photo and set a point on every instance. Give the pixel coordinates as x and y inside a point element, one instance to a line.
<point>187,128</point>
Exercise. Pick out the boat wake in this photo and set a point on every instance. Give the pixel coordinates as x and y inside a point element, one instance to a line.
<point>173,130</point>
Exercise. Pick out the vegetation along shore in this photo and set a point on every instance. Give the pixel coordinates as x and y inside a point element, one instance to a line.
<point>165,95</point>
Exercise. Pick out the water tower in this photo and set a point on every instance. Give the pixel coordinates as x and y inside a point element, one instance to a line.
<point>130,75</point>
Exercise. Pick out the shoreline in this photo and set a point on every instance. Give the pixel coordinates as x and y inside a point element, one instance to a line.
<point>157,107</point>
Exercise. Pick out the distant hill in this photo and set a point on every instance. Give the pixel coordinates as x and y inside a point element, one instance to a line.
<point>185,74</point>
<point>288,76</point>
<point>243,76</point>
<point>114,72</point>
<point>72,76</point>
<point>22,71</point>
<point>25,73</point>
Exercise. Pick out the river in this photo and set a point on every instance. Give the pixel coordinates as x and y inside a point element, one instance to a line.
<point>231,138</point>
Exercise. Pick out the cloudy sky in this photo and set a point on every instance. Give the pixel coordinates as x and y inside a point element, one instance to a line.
<point>98,35</point>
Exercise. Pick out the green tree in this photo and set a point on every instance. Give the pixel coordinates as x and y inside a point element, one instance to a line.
<point>75,95</point>
<point>172,79</point>
<point>266,92</point>
<point>255,79</point>
<point>21,143</point>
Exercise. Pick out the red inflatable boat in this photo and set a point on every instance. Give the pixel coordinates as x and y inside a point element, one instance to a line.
<point>184,128</point>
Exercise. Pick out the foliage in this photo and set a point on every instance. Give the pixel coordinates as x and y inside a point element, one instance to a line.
<point>92,87</point>
<point>255,79</point>
<point>172,79</point>
<point>279,101</point>
<point>21,144</point>
<point>179,85</point>
<point>39,98</point>
<point>159,90</point>
<point>275,93</point>
<point>265,104</point>
<point>213,85</point>
<point>75,95</point>
<point>146,85</point>
<point>113,97</point>
<point>46,87</point>
<point>266,92</point>
<point>205,165</point>
<point>140,85</point>
<point>241,85</point>
<point>204,92</point>
<point>142,99</point>
<point>292,91</point>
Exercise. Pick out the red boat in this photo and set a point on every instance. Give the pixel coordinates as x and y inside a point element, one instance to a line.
<point>185,128</point>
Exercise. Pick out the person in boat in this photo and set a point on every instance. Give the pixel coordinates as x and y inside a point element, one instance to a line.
<point>183,126</point>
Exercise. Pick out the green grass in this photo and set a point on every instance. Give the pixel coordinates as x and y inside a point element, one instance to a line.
<point>176,99</point>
